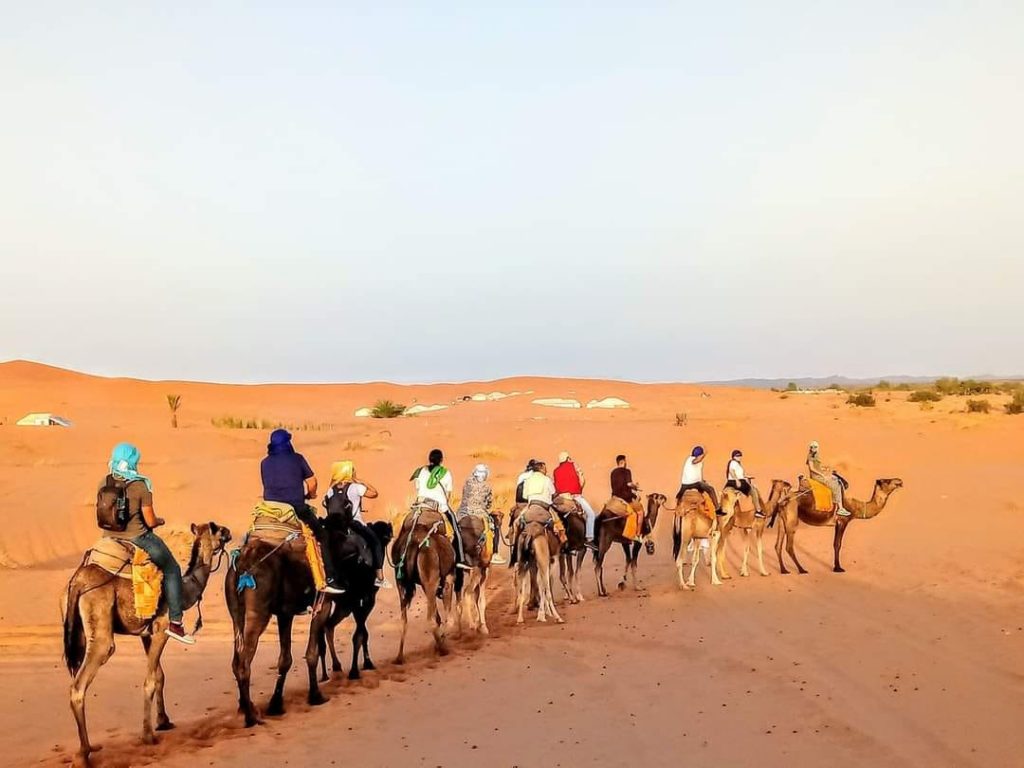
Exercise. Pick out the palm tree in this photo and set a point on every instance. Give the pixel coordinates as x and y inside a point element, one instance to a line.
<point>174,402</point>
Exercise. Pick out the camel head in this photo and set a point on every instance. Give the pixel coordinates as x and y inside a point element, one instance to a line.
<point>655,501</point>
<point>887,485</point>
<point>210,539</point>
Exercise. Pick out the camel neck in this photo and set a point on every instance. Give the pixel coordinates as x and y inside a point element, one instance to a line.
<point>196,578</point>
<point>866,510</point>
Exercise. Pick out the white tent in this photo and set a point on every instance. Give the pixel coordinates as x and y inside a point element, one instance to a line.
<point>43,420</point>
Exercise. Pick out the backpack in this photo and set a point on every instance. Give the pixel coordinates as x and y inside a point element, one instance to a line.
<point>339,503</point>
<point>112,505</point>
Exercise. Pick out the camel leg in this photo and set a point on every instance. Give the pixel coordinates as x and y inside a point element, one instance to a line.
<point>314,648</point>
<point>245,649</point>
<point>152,688</point>
<point>715,539</point>
<point>760,550</point>
<point>407,594</point>
<point>549,596</point>
<point>564,574</point>
<point>625,567</point>
<point>746,553</point>
<point>99,632</point>
<point>481,604</point>
<point>695,561</point>
<point>360,638</point>
<point>778,546</point>
<point>602,550</point>
<point>723,563</point>
<point>335,661</point>
<point>284,663</point>
<point>837,544</point>
<point>791,549</point>
<point>436,613</point>
<point>523,580</point>
<point>576,582</point>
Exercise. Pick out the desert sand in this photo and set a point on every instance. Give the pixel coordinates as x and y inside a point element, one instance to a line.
<point>913,657</point>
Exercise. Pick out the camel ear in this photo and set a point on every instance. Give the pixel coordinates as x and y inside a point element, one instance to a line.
<point>194,529</point>
<point>213,527</point>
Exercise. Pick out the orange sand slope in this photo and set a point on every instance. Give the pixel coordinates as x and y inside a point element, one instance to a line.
<point>913,657</point>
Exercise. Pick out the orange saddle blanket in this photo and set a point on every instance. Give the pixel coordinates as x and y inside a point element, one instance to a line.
<point>823,501</point>
<point>124,560</point>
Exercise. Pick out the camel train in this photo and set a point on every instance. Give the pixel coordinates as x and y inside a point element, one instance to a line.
<point>278,572</point>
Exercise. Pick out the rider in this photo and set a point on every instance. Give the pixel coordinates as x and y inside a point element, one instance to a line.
<point>569,481</point>
<point>287,479</point>
<point>478,499</point>
<point>540,491</point>
<point>138,497</point>
<point>343,480</point>
<point>825,474</point>
<point>693,478</point>
<point>624,489</point>
<point>434,483</point>
<point>736,478</point>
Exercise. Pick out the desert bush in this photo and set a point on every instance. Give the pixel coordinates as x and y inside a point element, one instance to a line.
<point>386,409</point>
<point>174,403</point>
<point>490,452</point>
<point>947,385</point>
<point>783,396</point>
<point>680,419</point>
<point>862,399</point>
<point>978,406</point>
<point>1016,405</point>
<point>924,396</point>
<point>791,387</point>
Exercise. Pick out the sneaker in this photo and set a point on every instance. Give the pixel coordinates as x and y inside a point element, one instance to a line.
<point>382,583</point>
<point>463,566</point>
<point>843,512</point>
<point>176,631</point>
<point>498,560</point>
<point>330,589</point>
<point>591,545</point>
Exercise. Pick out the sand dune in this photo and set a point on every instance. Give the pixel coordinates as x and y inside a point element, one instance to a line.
<point>913,657</point>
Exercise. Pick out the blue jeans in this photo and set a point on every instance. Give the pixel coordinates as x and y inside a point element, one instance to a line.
<point>162,558</point>
<point>589,512</point>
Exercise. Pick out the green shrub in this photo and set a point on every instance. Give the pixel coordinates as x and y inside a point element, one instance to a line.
<point>924,396</point>
<point>947,385</point>
<point>862,399</point>
<point>386,409</point>
<point>978,406</point>
<point>1016,405</point>
<point>791,387</point>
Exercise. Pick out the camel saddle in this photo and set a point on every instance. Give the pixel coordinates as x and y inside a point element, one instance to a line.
<point>747,506</point>
<point>276,523</point>
<point>567,505</point>
<point>824,501</point>
<point>694,501</point>
<point>425,513</point>
<point>123,559</point>
<point>617,507</point>
<point>485,537</point>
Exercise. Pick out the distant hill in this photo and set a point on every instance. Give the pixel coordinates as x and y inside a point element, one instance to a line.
<point>820,382</point>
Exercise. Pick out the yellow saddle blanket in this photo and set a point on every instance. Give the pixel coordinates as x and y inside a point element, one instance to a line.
<point>124,560</point>
<point>274,521</point>
<point>823,501</point>
<point>620,508</point>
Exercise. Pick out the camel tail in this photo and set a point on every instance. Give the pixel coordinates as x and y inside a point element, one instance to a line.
<point>775,513</point>
<point>677,539</point>
<point>74,631</point>
<point>597,536</point>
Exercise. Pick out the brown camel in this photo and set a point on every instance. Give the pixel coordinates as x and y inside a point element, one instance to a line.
<point>737,515</point>
<point>796,507</point>
<point>270,577</point>
<point>423,555</point>
<point>571,554</point>
<point>537,546</point>
<point>609,529</point>
<point>471,595</point>
<point>99,605</point>
<point>692,524</point>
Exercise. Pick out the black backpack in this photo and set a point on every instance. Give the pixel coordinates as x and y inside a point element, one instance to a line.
<point>339,504</point>
<point>112,505</point>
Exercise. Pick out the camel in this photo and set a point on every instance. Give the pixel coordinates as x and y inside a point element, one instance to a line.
<point>797,507</point>
<point>537,546</point>
<point>276,580</point>
<point>692,524</point>
<point>471,586</point>
<point>572,553</point>
<point>748,522</point>
<point>423,555</point>
<point>98,605</point>
<point>609,530</point>
<point>352,559</point>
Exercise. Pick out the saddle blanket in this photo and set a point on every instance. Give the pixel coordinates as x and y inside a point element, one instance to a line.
<point>823,501</point>
<point>124,560</point>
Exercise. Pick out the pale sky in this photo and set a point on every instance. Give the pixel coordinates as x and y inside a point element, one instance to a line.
<point>679,191</point>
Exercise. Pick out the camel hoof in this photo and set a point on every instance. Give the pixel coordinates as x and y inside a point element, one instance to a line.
<point>802,571</point>
<point>519,620</point>
<point>149,739</point>
<point>369,665</point>
<point>838,569</point>
<point>166,725</point>
<point>483,630</point>
<point>276,707</point>
<point>324,678</point>
<point>336,668</point>
<point>353,673</point>
<point>622,585</point>
<point>744,574</point>
<point>316,698</point>
<point>400,660</point>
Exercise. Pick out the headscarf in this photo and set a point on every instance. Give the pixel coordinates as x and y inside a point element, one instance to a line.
<point>737,454</point>
<point>697,451</point>
<point>124,464</point>
<point>563,457</point>
<point>342,472</point>
<point>280,442</point>
<point>481,472</point>
<point>813,446</point>
<point>437,470</point>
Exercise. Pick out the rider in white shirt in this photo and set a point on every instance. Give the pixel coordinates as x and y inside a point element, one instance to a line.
<point>693,477</point>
